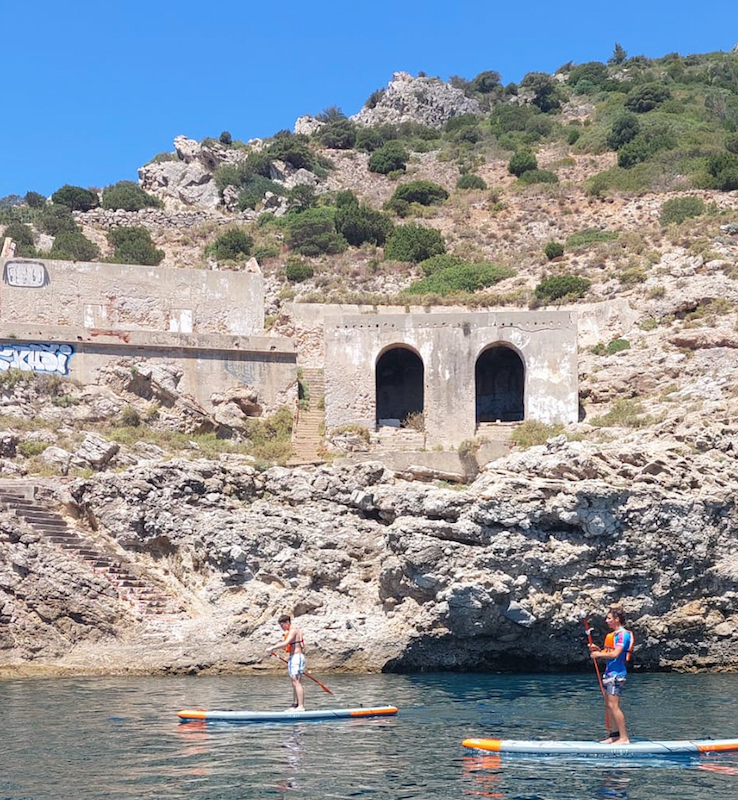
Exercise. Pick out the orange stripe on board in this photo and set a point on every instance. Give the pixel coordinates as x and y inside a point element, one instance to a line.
<point>714,748</point>
<point>483,744</point>
<point>373,712</point>
<point>192,713</point>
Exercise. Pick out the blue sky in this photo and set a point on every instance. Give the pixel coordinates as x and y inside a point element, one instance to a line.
<point>93,90</point>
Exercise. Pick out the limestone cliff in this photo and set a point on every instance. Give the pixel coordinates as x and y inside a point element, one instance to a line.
<point>385,574</point>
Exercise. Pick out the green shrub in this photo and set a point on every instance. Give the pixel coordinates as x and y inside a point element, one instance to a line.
<point>558,286</point>
<point>313,233</point>
<point>34,200</point>
<point>74,246</point>
<point>508,118</point>
<point>522,161</point>
<point>391,157</point>
<point>134,246</point>
<point>75,198</point>
<point>233,245</point>
<point>32,448</point>
<point>370,139</point>
<point>532,433</point>
<point>128,196</point>
<point>440,262</point>
<point>625,413</point>
<point>461,277</point>
<point>295,151</point>
<point>338,134</point>
<point>263,252</point>
<point>254,189</point>
<point>547,94</point>
<point>129,417</point>
<point>424,192</point>
<point>225,138</point>
<point>414,243</point>
<point>538,176</point>
<point>298,271</point>
<point>646,97</point>
<point>554,250</point>
<point>471,181</point>
<point>723,169</point>
<point>677,209</point>
<point>589,236</point>
<point>53,219</point>
<point>593,73</point>
<point>731,145</point>
<point>624,129</point>
<point>359,224</point>
<point>22,235</point>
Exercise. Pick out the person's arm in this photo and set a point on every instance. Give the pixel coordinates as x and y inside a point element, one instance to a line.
<point>283,642</point>
<point>610,653</point>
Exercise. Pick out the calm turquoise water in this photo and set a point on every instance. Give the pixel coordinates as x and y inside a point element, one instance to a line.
<point>116,738</point>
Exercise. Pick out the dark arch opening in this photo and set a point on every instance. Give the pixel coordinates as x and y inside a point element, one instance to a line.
<point>399,385</point>
<point>500,385</point>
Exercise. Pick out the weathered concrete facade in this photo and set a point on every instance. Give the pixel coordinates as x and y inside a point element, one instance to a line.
<point>75,319</point>
<point>455,355</point>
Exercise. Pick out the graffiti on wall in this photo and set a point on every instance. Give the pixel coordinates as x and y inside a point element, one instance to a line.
<point>29,274</point>
<point>46,358</point>
<point>243,373</point>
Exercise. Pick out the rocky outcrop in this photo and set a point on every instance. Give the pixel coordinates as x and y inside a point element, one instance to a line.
<point>428,101</point>
<point>387,574</point>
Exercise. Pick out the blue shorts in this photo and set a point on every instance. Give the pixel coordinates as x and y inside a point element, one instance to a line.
<point>613,684</point>
<point>296,665</point>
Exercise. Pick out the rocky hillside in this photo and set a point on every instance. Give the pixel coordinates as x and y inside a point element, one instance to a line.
<point>633,504</point>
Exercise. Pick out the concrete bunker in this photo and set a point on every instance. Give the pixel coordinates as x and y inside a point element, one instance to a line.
<point>499,379</point>
<point>399,386</point>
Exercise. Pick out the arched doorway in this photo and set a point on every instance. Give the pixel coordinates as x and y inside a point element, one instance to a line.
<point>500,385</point>
<point>400,379</point>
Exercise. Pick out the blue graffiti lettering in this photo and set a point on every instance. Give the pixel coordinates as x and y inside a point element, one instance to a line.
<point>44,358</point>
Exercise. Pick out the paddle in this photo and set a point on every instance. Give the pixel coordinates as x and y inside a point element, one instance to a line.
<point>588,631</point>
<point>306,674</point>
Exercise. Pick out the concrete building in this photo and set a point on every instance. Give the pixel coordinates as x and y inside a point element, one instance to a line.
<point>455,371</point>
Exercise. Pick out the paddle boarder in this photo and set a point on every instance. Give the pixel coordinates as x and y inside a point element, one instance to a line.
<point>616,651</point>
<point>294,644</point>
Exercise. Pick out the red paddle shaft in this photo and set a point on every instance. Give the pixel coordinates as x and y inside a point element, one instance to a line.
<point>588,631</point>
<point>307,675</point>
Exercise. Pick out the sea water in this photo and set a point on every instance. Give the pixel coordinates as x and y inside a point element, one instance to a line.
<point>120,738</point>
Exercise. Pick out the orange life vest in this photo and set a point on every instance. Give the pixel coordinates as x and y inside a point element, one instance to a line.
<point>300,641</point>
<point>610,643</point>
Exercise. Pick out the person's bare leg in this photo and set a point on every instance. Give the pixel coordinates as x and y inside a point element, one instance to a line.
<point>617,718</point>
<point>298,691</point>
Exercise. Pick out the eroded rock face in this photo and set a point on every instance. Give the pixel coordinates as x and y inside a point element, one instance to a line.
<point>428,101</point>
<point>386,574</point>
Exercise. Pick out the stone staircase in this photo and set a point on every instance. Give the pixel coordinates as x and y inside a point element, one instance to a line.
<point>142,595</point>
<point>387,439</point>
<point>307,435</point>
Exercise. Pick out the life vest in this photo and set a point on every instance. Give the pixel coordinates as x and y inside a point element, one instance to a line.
<point>300,641</point>
<point>610,643</point>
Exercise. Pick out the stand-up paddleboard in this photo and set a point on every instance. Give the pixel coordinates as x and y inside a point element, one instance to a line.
<point>202,715</point>
<point>676,747</point>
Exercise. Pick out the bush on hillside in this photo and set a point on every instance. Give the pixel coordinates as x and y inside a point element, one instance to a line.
<point>128,196</point>
<point>538,176</point>
<point>553,250</point>
<point>723,170</point>
<point>414,243</point>
<point>75,198</point>
<point>424,193</point>
<point>22,235</point>
<point>232,245</point>
<point>624,129</point>
<point>646,97</point>
<point>589,236</point>
<point>391,157</point>
<point>255,188</point>
<point>558,286</point>
<point>298,271</point>
<point>547,93</point>
<point>225,138</point>
<point>359,224</point>
<point>313,233</point>
<point>371,139</point>
<point>585,77</point>
<point>34,200</point>
<point>462,277</point>
<point>134,246</point>
<point>74,246</point>
<point>54,219</point>
<point>677,209</point>
<point>440,262</point>
<point>470,181</point>
<point>522,161</point>
<point>338,134</point>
